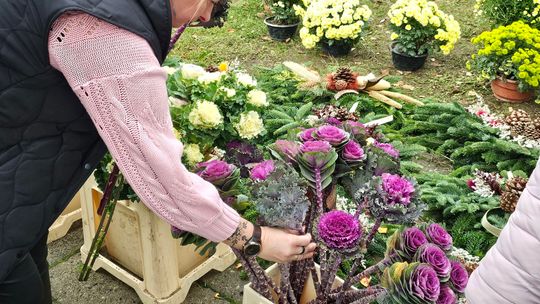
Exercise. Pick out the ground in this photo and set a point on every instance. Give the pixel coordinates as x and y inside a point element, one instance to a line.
<point>65,264</point>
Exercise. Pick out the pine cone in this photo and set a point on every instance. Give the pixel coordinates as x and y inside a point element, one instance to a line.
<point>516,185</point>
<point>212,69</point>
<point>509,201</point>
<point>341,85</point>
<point>532,132</point>
<point>345,74</point>
<point>340,113</point>
<point>519,121</point>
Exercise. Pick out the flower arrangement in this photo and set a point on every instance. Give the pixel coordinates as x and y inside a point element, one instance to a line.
<point>511,52</point>
<point>419,27</point>
<point>292,191</point>
<point>332,21</point>
<point>222,105</point>
<point>501,12</point>
<point>283,11</point>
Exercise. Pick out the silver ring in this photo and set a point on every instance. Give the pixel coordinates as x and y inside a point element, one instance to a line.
<point>303,250</point>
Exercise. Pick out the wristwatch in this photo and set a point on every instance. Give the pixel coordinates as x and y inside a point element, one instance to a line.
<point>253,245</point>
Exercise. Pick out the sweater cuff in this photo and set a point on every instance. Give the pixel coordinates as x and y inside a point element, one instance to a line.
<point>225,225</point>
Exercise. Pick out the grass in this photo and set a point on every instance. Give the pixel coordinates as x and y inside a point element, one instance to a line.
<point>245,37</point>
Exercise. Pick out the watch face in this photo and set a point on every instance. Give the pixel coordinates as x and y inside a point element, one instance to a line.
<point>252,249</point>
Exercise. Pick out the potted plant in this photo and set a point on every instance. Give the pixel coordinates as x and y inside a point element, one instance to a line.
<point>509,56</point>
<point>283,22</point>
<point>419,27</point>
<point>289,192</point>
<point>503,12</point>
<point>335,26</point>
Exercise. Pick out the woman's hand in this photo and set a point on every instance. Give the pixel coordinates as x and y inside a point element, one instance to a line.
<point>277,245</point>
<point>283,246</point>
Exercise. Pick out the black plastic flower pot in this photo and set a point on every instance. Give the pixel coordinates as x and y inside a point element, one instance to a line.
<point>337,49</point>
<point>280,32</point>
<point>404,62</point>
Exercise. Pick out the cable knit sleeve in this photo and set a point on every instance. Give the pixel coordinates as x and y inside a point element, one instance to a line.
<point>122,86</point>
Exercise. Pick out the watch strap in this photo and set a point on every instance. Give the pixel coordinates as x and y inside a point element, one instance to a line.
<point>257,232</point>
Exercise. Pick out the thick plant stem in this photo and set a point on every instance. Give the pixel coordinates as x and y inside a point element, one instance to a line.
<point>285,282</point>
<point>110,196</point>
<point>331,274</point>
<point>354,268</point>
<point>370,271</point>
<point>349,295</point>
<point>319,193</point>
<point>259,280</point>
<point>364,296</point>
<point>372,233</point>
<point>177,35</point>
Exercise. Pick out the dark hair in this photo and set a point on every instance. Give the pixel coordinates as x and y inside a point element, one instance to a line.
<point>218,16</point>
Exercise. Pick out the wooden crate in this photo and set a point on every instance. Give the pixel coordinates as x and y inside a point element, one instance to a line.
<point>140,251</point>
<point>70,215</point>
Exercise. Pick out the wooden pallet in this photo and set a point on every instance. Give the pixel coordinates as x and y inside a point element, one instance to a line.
<point>141,252</point>
<point>71,214</point>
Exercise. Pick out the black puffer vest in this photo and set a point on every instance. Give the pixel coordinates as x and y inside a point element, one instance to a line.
<point>48,144</point>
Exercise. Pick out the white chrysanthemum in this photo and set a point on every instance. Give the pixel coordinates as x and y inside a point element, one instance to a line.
<point>192,71</point>
<point>193,154</point>
<point>208,78</point>
<point>257,98</point>
<point>312,120</point>
<point>246,80</point>
<point>169,70</point>
<point>205,115</point>
<point>228,91</point>
<point>250,125</point>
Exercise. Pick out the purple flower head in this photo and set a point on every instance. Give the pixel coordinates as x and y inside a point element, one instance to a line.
<point>434,256</point>
<point>334,135</point>
<point>439,236</point>
<point>412,239</point>
<point>447,296</point>
<point>458,277</point>
<point>307,134</point>
<point>352,151</point>
<point>356,128</point>
<point>388,149</point>
<point>215,170</point>
<point>333,121</point>
<point>339,230</point>
<point>242,153</point>
<point>399,190</point>
<point>425,284</point>
<point>316,146</point>
<point>261,171</point>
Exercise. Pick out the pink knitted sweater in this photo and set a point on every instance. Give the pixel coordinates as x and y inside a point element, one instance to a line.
<point>120,83</point>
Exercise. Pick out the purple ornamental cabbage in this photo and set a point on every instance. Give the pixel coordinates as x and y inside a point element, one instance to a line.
<point>399,190</point>
<point>437,235</point>
<point>339,230</point>
<point>433,255</point>
<point>387,148</point>
<point>406,243</point>
<point>411,283</point>
<point>286,150</point>
<point>334,135</point>
<point>353,152</point>
<point>447,296</point>
<point>307,134</point>
<point>215,171</point>
<point>458,277</point>
<point>316,146</point>
<point>262,170</point>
